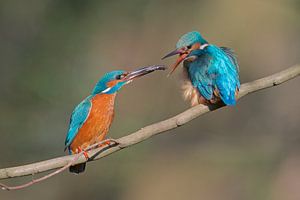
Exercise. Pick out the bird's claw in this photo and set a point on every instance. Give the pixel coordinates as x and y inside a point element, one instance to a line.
<point>86,155</point>
<point>108,142</point>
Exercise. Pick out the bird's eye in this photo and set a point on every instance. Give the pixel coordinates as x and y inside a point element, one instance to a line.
<point>120,76</point>
<point>190,46</point>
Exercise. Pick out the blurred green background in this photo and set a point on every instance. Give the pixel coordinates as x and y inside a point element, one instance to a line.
<point>53,52</point>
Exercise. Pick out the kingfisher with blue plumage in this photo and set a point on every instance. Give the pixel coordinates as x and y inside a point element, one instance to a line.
<point>91,119</point>
<point>211,73</point>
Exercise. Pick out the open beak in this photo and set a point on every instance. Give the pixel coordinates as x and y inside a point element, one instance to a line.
<point>143,71</point>
<point>182,56</point>
<point>173,53</point>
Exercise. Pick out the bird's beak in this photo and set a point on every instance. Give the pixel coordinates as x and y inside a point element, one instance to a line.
<point>182,56</point>
<point>172,53</point>
<point>143,71</point>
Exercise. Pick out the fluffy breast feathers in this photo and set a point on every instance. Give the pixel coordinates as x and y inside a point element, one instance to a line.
<point>190,93</point>
<point>97,123</point>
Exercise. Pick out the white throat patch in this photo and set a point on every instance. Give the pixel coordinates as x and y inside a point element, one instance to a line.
<point>106,90</point>
<point>203,46</point>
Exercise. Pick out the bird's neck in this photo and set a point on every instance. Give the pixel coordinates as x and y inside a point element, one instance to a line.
<point>105,99</point>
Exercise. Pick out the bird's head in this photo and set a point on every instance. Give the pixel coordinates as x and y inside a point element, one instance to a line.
<point>185,45</point>
<point>113,81</point>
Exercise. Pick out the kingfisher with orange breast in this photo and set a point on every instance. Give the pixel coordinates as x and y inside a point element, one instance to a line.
<point>91,119</point>
<point>210,72</point>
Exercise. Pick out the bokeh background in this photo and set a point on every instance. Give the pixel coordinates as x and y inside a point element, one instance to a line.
<point>53,52</point>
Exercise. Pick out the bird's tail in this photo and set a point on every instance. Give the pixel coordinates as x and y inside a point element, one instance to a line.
<point>77,168</point>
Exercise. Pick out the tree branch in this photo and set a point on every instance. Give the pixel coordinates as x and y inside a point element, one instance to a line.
<point>148,131</point>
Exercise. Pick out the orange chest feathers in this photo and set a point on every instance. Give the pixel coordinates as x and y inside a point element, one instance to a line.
<point>98,122</point>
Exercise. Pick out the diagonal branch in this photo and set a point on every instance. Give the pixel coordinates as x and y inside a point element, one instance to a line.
<point>151,130</point>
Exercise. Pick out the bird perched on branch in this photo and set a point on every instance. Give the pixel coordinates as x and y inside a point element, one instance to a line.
<point>91,119</point>
<point>210,72</point>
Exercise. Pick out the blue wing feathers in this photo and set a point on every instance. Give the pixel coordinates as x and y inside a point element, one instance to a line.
<point>79,116</point>
<point>226,90</point>
<point>230,53</point>
<point>199,76</point>
<point>227,79</point>
<point>215,68</point>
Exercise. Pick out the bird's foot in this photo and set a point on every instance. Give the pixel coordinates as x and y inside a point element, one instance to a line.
<point>108,142</point>
<point>86,155</point>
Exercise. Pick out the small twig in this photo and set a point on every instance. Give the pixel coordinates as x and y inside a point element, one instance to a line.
<point>33,181</point>
<point>77,156</point>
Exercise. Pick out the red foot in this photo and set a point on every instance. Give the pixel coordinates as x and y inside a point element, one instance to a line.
<point>104,142</point>
<point>108,142</point>
<point>86,155</point>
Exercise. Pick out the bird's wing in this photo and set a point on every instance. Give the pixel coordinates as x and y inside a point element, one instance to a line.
<point>79,116</point>
<point>215,68</point>
<point>197,71</point>
<point>224,70</point>
<point>230,53</point>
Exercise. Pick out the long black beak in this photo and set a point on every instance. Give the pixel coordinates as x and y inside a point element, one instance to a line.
<point>143,71</point>
<point>182,55</point>
<point>175,52</point>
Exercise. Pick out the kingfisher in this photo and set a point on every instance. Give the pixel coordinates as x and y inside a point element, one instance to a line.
<point>211,73</point>
<point>91,119</point>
